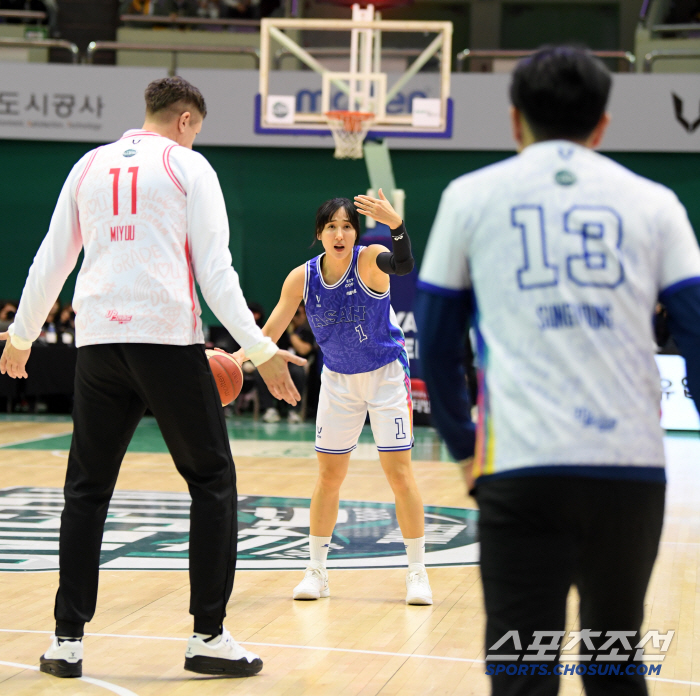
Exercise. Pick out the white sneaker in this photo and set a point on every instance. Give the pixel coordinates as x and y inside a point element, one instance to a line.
<point>293,417</point>
<point>315,583</point>
<point>63,659</point>
<point>417,585</point>
<point>223,657</point>
<point>271,416</point>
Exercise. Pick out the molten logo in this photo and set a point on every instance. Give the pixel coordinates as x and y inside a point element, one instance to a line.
<point>113,315</point>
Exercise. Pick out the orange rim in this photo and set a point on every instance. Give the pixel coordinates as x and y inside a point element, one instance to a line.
<point>352,120</point>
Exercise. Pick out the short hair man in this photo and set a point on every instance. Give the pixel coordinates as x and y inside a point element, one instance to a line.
<point>560,255</point>
<point>150,216</point>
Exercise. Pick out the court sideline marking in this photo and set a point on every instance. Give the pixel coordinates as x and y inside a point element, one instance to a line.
<point>119,690</point>
<point>312,647</point>
<point>38,438</point>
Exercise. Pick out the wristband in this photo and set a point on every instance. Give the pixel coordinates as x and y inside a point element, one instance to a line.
<point>17,341</point>
<point>261,352</point>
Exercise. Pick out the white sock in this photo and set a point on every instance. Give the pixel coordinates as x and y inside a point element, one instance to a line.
<point>415,550</point>
<point>318,548</point>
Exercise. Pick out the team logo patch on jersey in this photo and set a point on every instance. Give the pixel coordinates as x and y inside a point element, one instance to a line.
<point>565,178</point>
<point>113,315</point>
<point>128,153</point>
<point>148,530</point>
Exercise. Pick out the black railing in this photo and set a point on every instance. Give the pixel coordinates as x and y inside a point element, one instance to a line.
<point>469,54</point>
<point>174,49</point>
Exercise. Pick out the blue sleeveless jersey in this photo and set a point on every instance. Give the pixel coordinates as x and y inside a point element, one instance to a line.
<point>355,327</point>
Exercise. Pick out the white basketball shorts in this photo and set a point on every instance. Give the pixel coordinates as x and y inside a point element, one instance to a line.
<point>345,399</point>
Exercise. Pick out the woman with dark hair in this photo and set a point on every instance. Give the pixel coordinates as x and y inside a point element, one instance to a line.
<point>346,291</point>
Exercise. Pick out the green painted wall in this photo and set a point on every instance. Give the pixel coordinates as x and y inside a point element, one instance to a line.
<point>271,196</point>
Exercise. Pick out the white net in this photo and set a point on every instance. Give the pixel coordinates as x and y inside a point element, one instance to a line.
<point>349,130</point>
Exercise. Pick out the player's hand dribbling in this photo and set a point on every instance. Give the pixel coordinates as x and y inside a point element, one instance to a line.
<point>13,361</point>
<point>276,375</point>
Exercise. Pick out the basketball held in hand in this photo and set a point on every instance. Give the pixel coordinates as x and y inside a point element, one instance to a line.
<point>228,375</point>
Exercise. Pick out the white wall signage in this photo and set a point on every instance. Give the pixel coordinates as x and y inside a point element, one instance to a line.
<point>678,410</point>
<point>650,113</point>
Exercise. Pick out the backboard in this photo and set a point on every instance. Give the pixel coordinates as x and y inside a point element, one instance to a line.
<point>407,89</point>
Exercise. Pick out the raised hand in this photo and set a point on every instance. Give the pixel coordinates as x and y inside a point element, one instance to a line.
<point>378,209</point>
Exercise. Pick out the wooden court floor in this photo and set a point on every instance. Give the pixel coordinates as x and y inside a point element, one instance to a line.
<point>363,640</point>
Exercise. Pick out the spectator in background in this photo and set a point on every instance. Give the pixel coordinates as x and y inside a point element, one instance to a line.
<point>298,339</point>
<point>145,7</point>
<point>49,331</point>
<point>179,8</point>
<point>665,343</point>
<point>210,9</point>
<point>258,313</point>
<point>237,9</point>
<point>66,325</point>
<point>8,309</point>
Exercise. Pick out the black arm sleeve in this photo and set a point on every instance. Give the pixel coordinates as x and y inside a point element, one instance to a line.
<point>400,261</point>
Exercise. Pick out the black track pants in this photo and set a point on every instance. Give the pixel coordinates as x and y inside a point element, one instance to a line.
<point>114,384</point>
<point>541,534</point>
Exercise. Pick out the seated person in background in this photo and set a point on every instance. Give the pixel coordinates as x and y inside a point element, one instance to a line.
<point>144,7</point>
<point>66,324</point>
<point>180,8</point>
<point>210,9</point>
<point>49,331</point>
<point>8,309</point>
<point>662,333</point>
<point>297,339</point>
<point>236,9</point>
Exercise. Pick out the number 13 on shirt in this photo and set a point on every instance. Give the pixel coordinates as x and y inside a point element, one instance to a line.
<point>597,265</point>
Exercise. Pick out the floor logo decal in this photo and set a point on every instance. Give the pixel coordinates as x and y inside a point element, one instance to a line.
<point>150,531</point>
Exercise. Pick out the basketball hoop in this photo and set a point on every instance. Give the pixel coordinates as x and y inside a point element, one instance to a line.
<point>349,130</point>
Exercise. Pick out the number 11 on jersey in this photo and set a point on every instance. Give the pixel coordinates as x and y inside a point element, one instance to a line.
<point>134,171</point>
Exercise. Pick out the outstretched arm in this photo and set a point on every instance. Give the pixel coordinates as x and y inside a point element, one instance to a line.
<point>290,298</point>
<point>53,263</point>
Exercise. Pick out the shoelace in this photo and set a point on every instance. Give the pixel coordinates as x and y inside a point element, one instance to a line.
<point>231,642</point>
<point>420,578</point>
<point>315,572</point>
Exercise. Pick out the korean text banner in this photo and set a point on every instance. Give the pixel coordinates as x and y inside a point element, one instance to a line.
<point>651,113</point>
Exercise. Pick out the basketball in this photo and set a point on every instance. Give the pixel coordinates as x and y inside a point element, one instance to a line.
<point>228,375</point>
